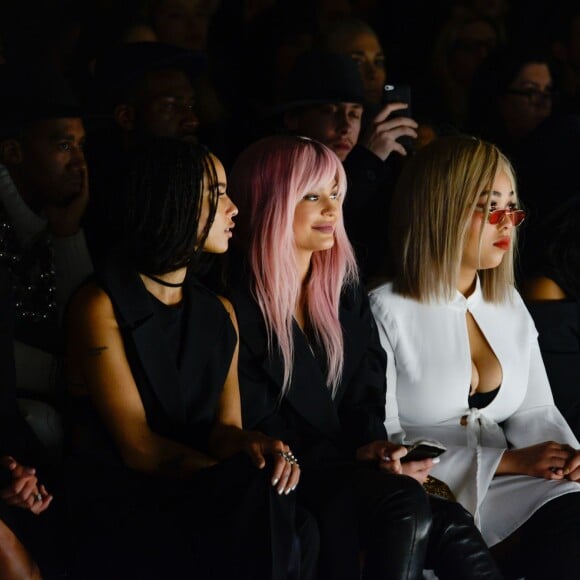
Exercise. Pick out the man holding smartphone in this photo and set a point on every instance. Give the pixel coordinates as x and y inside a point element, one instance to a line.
<point>325,101</point>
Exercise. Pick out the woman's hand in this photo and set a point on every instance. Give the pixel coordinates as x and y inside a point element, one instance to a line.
<point>547,460</point>
<point>418,470</point>
<point>572,467</point>
<point>387,454</point>
<point>24,490</point>
<point>286,472</point>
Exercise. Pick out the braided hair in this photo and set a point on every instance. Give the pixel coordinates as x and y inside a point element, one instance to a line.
<point>162,200</point>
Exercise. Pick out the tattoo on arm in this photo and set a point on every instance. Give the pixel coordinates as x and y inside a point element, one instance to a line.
<point>97,350</point>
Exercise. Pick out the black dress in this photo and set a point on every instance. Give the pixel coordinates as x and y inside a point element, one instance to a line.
<point>225,521</point>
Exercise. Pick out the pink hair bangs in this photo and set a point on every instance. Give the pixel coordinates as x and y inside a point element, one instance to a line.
<point>267,182</point>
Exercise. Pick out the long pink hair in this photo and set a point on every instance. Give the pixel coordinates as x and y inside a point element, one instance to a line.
<point>267,181</point>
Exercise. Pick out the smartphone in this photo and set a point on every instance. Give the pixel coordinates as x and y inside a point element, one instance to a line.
<point>399,94</point>
<point>423,450</point>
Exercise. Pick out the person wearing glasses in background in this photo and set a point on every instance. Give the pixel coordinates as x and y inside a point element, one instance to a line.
<point>511,96</point>
<point>511,105</point>
<point>464,366</point>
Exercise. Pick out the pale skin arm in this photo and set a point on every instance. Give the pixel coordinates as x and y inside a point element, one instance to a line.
<point>98,346</point>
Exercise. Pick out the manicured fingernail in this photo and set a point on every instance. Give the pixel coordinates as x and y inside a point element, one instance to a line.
<point>436,460</point>
<point>280,491</point>
<point>293,488</point>
<point>275,480</point>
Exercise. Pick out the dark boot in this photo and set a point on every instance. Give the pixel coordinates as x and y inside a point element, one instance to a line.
<point>395,521</point>
<point>456,548</point>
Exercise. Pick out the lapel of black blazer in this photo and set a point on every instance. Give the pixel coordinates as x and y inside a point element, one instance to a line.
<point>133,307</point>
<point>308,394</point>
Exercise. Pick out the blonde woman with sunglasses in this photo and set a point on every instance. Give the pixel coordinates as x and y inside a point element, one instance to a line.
<point>464,366</point>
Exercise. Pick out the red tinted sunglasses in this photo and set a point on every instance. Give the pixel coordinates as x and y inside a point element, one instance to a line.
<point>495,216</point>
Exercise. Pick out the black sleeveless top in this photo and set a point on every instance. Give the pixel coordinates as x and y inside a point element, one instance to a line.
<point>171,322</point>
<point>179,359</point>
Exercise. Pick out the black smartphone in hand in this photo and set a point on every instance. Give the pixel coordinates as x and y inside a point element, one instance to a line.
<point>423,450</point>
<point>399,94</point>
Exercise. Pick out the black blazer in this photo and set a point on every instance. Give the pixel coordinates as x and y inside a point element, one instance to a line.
<point>316,426</point>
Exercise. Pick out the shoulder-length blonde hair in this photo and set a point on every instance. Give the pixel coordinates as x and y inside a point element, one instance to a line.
<point>431,213</point>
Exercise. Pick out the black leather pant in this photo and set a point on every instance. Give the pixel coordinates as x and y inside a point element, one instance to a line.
<point>456,548</point>
<point>367,519</point>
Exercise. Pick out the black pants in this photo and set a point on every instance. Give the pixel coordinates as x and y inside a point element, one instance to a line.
<point>226,522</point>
<point>368,519</point>
<point>547,545</point>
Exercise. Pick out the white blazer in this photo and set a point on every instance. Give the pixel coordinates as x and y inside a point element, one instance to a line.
<point>428,382</point>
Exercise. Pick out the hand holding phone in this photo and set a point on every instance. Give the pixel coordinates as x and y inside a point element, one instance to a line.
<point>392,130</point>
<point>423,449</point>
<point>398,94</point>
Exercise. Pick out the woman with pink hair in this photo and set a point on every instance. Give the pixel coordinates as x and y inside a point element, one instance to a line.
<point>312,372</point>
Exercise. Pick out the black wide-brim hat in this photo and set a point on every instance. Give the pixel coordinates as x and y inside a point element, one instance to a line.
<point>121,66</point>
<point>29,94</point>
<point>318,78</point>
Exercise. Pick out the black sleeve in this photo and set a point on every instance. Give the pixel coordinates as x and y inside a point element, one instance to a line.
<point>366,174</point>
<point>362,409</point>
<point>367,206</point>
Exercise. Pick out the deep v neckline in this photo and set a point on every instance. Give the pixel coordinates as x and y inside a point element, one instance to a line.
<point>481,349</point>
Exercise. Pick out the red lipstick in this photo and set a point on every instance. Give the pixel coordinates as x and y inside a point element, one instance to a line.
<point>503,243</point>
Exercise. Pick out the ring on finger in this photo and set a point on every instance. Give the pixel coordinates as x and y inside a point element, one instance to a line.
<point>290,458</point>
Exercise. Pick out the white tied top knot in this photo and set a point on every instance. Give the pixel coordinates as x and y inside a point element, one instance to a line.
<point>479,427</point>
